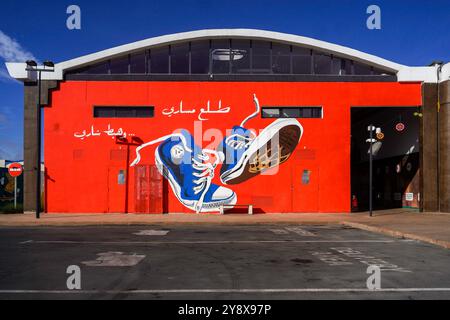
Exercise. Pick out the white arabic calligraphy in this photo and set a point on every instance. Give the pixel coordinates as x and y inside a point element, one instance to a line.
<point>172,111</point>
<point>95,133</point>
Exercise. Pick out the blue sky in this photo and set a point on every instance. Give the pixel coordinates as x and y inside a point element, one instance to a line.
<point>414,32</point>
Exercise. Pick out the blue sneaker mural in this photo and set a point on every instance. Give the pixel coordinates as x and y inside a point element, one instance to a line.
<point>189,170</point>
<point>247,155</point>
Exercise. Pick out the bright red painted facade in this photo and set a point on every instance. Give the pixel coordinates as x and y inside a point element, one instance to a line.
<point>82,173</point>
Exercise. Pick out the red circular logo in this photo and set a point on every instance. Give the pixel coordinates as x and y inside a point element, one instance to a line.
<point>399,127</point>
<point>15,169</point>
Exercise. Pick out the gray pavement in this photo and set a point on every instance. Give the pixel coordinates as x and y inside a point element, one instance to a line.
<point>217,262</point>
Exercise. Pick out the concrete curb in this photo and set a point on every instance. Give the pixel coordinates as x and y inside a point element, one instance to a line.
<point>397,234</point>
<point>232,222</point>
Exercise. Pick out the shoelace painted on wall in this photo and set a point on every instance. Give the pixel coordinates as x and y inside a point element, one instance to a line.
<point>207,168</point>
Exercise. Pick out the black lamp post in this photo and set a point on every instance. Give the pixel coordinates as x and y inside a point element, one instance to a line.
<point>371,141</point>
<point>48,66</point>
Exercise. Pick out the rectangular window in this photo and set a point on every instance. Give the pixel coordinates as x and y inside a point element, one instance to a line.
<point>336,65</point>
<point>322,63</point>
<point>240,56</point>
<point>137,63</point>
<point>301,60</point>
<point>281,58</point>
<point>179,56</point>
<point>200,57</point>
<point>291,112</point>
<point>123,112</point>
<point>361,69</point>
<point>261,57</point>
<point>159,60</point>
<point>119,65</point>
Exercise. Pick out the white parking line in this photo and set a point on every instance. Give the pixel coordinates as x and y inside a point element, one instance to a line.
<point>203,242</point>
<point>115,259</point>
<point>152,233</point>
<point>169,291</point>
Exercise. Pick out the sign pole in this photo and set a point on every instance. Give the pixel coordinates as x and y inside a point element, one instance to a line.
<point>38,138</point>
<point>15,192</point>
<point>15,170</point>
<point>370,170</point>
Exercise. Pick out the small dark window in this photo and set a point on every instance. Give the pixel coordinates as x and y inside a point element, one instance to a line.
<point>159,60</point>
<point>291,112</point>
<point>200,57</point>
<point>104,112</point>
<point>123,112</point>
<point>301,60</point>
<point>261,57</point>
<point>144,112</point>
<point>281,58</point>
<point>179,58</point>
<point>137,63</point>
<point>271,113</point>
<point>119,65</point>
<point>240,56</point>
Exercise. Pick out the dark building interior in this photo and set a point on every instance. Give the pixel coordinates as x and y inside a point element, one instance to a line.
<point>396,167</point>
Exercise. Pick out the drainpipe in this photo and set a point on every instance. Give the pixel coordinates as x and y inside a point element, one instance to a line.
<point>438,105</point>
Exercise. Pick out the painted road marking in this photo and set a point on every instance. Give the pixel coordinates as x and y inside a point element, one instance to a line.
<point>206,242</point>
<point>369,260</point>
<point>286,290</point>
<point>152,233</point>
<point>115,259</point>
<point>300,231</point>
<point>331,259</point>
<point>279,231</point>
<point>296,230</point>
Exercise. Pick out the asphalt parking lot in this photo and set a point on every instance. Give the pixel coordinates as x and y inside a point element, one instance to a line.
<point>218,262</point>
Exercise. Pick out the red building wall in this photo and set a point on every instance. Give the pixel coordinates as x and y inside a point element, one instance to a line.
<point>82,172</point>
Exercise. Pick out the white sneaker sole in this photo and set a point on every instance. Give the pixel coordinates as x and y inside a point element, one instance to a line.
<point>242,171</point>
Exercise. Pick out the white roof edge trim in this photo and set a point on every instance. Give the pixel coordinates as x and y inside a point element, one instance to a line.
<point>445,73</point>
<point>17,70</point>
<point>418,74</point>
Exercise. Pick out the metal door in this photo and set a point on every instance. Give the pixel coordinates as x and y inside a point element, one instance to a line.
<point>149,187</point>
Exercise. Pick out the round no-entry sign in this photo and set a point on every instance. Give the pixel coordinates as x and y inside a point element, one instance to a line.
<point>400,127</point>
<point>15,169</point>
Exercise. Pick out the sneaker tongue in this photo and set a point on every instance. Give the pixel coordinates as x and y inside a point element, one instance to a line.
<point>196,150</point>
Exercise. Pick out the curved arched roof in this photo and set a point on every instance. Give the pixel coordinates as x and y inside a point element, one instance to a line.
<point>17,70</point>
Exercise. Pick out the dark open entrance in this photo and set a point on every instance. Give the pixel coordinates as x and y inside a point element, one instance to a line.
<point>396,166</point>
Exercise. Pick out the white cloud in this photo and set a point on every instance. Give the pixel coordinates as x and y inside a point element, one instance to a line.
<point>12,51</point>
